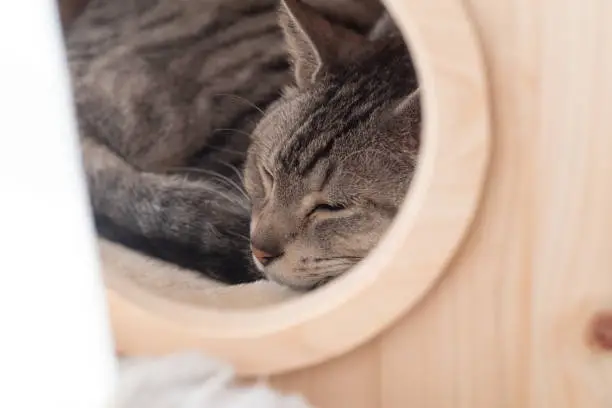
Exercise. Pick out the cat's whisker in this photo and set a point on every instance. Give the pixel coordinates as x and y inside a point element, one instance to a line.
<point>242,132</point>
<point>227,150</point>
<point>240,236</point>
<point>244,204</point>
<point>329,266</point>
<point>234,169</point>
<point>241,199</point>
<point>229,182</point>
<point>243,99</point>
<point>340,257</point>
<point>245,199</point>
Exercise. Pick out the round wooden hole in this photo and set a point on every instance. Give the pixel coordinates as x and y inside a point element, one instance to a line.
<point>442,201</point>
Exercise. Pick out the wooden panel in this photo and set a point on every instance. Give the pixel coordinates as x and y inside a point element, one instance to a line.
<point>353,382</point>
<point>510,324</point>
<point>572,257</point>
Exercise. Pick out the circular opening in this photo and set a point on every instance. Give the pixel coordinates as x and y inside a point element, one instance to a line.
<point>442,199</point>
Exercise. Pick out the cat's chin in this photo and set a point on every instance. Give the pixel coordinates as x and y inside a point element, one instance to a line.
<point>276,274</point>
<point>295,286</point>
<point>284,281</point>
<point>278,281</point>
<point>295,283</point>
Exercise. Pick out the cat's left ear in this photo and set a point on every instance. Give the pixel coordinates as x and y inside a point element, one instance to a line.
<point>408,113</point>
<point>384,27</point>
<point>314,42</point>
<point>410,106</point>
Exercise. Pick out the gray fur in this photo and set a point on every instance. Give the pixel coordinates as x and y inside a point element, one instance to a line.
<point>157,83</point>
<point>164,85</point>
<point>332,160</point>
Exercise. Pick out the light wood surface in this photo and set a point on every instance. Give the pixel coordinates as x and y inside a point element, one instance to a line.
<point>521,315</point>
<point>510,325</point>
<point>441,204</point>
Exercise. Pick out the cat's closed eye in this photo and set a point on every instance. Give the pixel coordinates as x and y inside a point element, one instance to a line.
<point>267,178</point>
<point>326,208</point>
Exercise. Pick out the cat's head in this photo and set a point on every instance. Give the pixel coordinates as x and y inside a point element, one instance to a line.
<point>331,161</point>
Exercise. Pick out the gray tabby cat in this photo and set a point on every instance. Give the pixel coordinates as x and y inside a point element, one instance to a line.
<point>163,85</point>
<point>166,84</point>
<point>331,161</point>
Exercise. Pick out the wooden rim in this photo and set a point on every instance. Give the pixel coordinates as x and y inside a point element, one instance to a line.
<point>400,271</point>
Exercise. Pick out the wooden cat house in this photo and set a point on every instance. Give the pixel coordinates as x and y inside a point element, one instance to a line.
<point>493,288</point>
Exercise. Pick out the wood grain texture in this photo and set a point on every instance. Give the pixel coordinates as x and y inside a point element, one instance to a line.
<point>511,321</point>
<point>509,325</point>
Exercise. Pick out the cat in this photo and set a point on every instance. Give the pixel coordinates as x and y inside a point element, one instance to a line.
<point>164,85</point>
<point>331,161</point>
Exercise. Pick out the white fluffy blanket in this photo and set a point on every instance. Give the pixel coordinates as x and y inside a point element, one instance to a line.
<point>190,380</point>
<point>184,286</point>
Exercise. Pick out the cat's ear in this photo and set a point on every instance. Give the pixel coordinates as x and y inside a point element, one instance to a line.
<point>409,106</point>
<point>407,114</point>
<point>314,42</point>
<point>384,27</point>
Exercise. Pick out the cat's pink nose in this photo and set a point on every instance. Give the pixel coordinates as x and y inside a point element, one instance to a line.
<point>263,256</point>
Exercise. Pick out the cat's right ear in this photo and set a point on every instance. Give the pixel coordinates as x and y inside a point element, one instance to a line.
<point>313,42</point>
<point>411,105</point>
<point>384,27</point>
<point>407,113</point>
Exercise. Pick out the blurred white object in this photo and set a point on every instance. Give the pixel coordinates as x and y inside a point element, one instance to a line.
<point>190,380</point>
<point>55,349</point>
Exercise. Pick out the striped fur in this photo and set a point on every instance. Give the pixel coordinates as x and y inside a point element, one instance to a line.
<point>167,93</point>
<point>331,162</point>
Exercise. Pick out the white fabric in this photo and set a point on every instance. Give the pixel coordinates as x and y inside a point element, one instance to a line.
<point>184,286</point>
<point>190,380</point>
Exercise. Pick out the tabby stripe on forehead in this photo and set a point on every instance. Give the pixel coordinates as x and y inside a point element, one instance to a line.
<point>327,128</point>
<point>290,153</point>
<point>314,138</point>
<point>314,157</point>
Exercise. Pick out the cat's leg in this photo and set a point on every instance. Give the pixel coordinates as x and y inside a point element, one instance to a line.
<point>200,225</point>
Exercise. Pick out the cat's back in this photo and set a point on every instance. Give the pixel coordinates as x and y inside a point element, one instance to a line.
<point>163,67</point>
<point>162,30</point>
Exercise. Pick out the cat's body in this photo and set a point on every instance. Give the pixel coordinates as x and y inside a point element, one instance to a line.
<point>163,85</point>
<point>158,86</point>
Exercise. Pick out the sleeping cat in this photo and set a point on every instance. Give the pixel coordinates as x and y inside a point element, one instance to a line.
<point>164,85</point>
<point>331,160</point>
